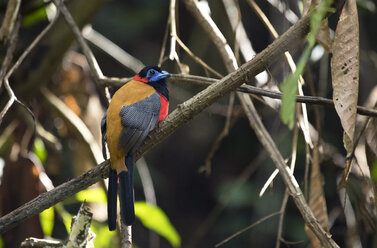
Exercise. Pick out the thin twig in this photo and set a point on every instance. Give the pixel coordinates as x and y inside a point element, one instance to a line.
<point>32,45</point>
<point>180,78</point>
<point>173,31</point>
<point>78,125</point>
<point>12,99</point>
<point>292,164</point>
<point>197,59</point>
<point>27,51</point>
<point>4,66</point>
<point>282,8</point>
<point>225,198</point>
<point>150,195</point>
<point>9,21</point>
<point>247,228</point>
<point>164,41</point>
<point>9,54</point>
<point>286,193</point>
<point>112,49</point>
<point>281,218</point>
<point>93,64</point>
<point>207,168</point>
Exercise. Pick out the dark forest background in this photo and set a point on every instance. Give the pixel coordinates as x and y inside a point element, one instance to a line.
<point>204,208</point>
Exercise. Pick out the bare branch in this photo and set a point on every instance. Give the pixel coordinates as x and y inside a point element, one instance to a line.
<point>9,54</point>
<point>282,8</point>
<point>40,243</point>
<point>126,236</point>
<point>31,46</point>
<point>80,235</point>
<point>12,99</point>
<point>93,64</point>
<point>197,59</point>
<point>9,90</point>
<point>173,31</point>
<point>78,125</point>
<point>247,228</point>
<point>204,81</point>
<point>9,20</point>
<point>281,218</point>
<point>112,49</point>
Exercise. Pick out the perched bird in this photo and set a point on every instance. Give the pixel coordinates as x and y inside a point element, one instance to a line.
<point>135,109</point>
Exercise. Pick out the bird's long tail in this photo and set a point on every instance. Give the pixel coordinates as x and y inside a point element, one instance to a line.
<point>112,200</point>
<point>126,194</point>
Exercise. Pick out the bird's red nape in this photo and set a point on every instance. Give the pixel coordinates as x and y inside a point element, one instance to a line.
<point>140,79</point>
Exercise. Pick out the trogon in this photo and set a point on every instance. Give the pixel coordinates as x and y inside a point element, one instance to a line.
<point>135,109</point>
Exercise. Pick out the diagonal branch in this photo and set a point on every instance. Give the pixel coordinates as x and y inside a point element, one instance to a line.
<point>93,64</point>
<point>9,21</point>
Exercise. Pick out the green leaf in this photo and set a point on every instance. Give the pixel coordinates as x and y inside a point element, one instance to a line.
<point>47,220</point>
<point>155,219</point>
<point>289,86</point>
<point>36,16</point>
<point>288,101</point>
<point>374,171</point>
<point>65,216</point>
<point>104,237</point>
<point>289,89</point>
<point>40,149</point>
<point>92,195</point>
<point>1,242</point>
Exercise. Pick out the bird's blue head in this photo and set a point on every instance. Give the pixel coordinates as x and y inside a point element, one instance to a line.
<point>154,76</point>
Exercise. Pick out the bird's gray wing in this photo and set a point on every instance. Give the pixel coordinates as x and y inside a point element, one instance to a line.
<point>138,119</point>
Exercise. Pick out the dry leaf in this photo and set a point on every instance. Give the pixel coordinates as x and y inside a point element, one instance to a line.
<point>317,201</point>
<point>345,70</point>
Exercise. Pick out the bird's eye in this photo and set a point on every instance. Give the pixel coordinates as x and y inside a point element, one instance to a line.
<point>151,72</point>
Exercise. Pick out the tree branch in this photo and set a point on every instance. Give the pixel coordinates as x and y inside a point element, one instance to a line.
<point>9,20</point>
<point>93,64</point>
<point>205,81</point>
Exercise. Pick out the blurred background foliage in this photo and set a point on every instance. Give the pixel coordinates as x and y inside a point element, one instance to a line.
<point>199,210</point>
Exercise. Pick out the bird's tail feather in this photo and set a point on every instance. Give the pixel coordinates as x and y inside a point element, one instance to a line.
<point>126,194</point>
<point>112,199</point>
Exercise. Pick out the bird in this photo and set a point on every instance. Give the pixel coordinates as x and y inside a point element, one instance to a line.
<point>134,110</point>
